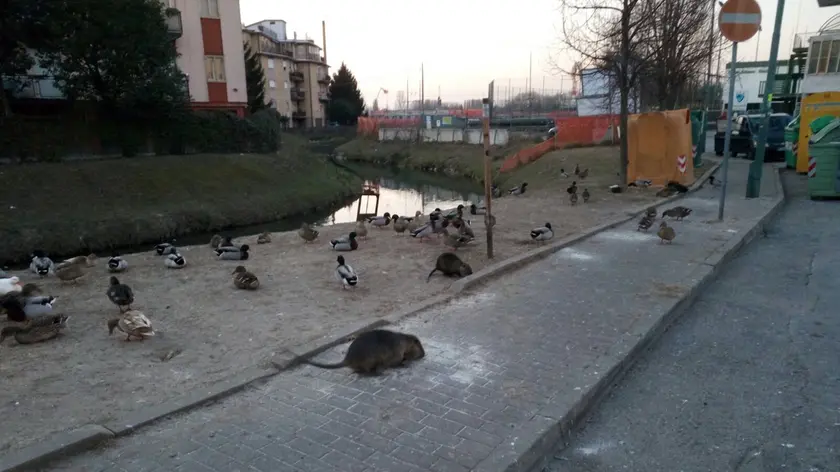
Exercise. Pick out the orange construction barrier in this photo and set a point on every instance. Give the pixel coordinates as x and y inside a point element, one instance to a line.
<point>573,130</point>
<point>660,147</point>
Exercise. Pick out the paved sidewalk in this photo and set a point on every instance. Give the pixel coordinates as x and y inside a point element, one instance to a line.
<point>512,356</point>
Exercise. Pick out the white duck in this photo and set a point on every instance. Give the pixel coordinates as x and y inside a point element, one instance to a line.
<point>164,249</point>
<point>10,285</point>
<point>175,261</point>
<point>543,233</point>
<point>117,264</point>
<point>41,264</point>
<point>346,274</point>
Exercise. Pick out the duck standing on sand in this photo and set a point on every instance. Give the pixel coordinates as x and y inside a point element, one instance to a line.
<point>347,243</point>
<point>41,264</point>
<point>345,274</point>
<point>495,191</point>
<point>307,233</point>
<point>380,221</point>
<point>117,264</point>
<point>120,294</point>
<point>400,224</point>
<point>666,233</point>
<point>361,229</point>
<point>415,222</point>
<point>133,323</point>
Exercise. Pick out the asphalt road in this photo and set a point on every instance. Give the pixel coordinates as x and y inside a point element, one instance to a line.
<point>749,379</point>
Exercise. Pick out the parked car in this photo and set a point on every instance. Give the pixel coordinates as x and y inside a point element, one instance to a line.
<point>745,130</point>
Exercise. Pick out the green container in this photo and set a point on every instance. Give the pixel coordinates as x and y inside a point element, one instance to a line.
<point>791,143</point>
<point>824,154</point>
<point>698,135</point>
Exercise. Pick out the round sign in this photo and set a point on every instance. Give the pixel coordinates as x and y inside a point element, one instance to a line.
<point>739,20</point>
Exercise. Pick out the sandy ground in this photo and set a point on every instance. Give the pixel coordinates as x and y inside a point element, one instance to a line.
<point>86,376</point>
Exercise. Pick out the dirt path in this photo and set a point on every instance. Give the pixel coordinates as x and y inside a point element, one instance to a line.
<point>87,376</point>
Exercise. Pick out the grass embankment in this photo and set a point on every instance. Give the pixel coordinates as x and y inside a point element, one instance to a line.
<point>64,208</point>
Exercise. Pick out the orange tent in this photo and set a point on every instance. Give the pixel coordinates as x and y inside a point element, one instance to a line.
<point>660,147</point>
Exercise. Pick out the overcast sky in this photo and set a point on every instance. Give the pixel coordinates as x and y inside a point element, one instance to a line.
<point>466,43</point>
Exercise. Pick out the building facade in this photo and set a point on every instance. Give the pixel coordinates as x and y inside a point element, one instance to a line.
<point>297,75</point>
<point>750,79</point>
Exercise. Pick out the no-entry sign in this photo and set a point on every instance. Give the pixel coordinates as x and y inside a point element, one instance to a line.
<point>739,20</point>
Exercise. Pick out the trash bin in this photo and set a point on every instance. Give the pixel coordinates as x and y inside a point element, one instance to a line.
<point>698,136</point>
<point>791,143</point>
<point>824,161</point>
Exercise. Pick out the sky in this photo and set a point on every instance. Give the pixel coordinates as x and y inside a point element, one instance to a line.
<point>465,44</point>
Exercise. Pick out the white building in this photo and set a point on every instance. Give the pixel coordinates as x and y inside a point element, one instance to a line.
<point>750,79</point>
<point>822,73</point>
<point>598,96</point>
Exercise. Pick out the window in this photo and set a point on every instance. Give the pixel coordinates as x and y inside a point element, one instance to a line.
<point>209,8</point>
<point>272,84</point>
<point>813,56</point>
<point>825,51</point>
<point>214,66</point>
<point>286,84</point>
<point>761,88</point>
<point>271,63</point>
<point>834,60</point>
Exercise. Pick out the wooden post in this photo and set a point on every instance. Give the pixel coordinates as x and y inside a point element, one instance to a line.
<point>488,169</point>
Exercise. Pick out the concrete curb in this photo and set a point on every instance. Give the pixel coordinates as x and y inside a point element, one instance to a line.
<point>88,437</point>
<point>554,423</point>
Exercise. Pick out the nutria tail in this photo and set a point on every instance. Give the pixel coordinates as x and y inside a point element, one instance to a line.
<point>431,273</point>
<point>337,365</point>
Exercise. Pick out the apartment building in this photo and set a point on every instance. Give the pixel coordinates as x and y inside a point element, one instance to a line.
<point>297,75</point>
<point>210,52</point>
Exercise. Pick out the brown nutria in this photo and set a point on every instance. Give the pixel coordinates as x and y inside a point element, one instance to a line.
<point>374,351</point>
<point>450,265</point>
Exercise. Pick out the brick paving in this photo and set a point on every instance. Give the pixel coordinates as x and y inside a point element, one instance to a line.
<point>496,359</point>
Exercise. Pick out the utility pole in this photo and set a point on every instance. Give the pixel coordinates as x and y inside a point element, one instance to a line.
<point>702,141</point>
<point>488,175</point>
<point>757,166</point>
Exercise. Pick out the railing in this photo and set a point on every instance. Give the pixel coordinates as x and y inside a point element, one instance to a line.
<point>296,76</point>
<point>309,57</point>
<point>275,49</point>
<point>298,115</point>
<point>323,78</point>
<point>174,24</point>
<point>298,94</point>
<point>800,41</point>
<point>34,86</point>
<point>324,96</point>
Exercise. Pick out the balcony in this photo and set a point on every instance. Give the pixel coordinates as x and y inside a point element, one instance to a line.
<point>324,79</point>
<point>324,97</point>
<point>298,115</point>
<point>174,25</point>
<point>309,57</point>
<point>275,49</point>
<point>298,94</point>
<point>296,76</point>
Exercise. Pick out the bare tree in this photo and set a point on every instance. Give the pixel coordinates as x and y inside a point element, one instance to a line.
<point>400,103</point>
<point>611,35</point>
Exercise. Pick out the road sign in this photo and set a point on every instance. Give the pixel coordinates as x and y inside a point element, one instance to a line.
<point>739,20</point>
<point>681,163</point>
<point>740,103</point>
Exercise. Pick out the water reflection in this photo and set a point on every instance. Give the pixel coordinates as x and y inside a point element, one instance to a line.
<point>400,198</point>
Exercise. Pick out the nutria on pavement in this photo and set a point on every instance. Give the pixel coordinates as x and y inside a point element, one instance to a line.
<point>450,265</point>
<point>374,351</point>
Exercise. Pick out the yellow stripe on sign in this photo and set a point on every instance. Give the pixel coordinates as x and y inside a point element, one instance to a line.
<point>741,18</point>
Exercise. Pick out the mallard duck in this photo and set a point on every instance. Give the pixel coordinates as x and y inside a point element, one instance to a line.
<point>543,233</point>
<point>586,195</point>
<point>41,264</point>
<point>88,261</point>
<point>645,223</point>
<point>439,226</point>
<point>345,273</point>
<point>577,169</point>
<point>666,233</point>
<point>264,238</point>
<point>400,224</point>
<point>13,305</point>
<point>380,221</point>
<point>345,244</point>
<point>37,330</point>
<point>175,261</point>
<point>572,188</point>
<point>164,249</point>
<point>650,212</point>
<point>583,174</point>
<point>454,240</point>
<point>563,173</point>
<point>132,323</point>
<point>233,253</point>
<point>307,233</point>
<point>415,222</point>
<point>495,191</point>
<point>519,189</point>
<point>361,229</point>
<point>34,304</point>
<point>227,241</point>
<point>477,210</point>
<point>215,241</point>
<point>70,271</point>
<point>678,212</point>
<point>573,199</point>
<point>457,212</point>
<point>117,264</point>
<point>435,215</point>
<point>120,294</point>
<point>10,285</point>
<point>423,232</point>
<point>463,227</point>
<point>242,279</point>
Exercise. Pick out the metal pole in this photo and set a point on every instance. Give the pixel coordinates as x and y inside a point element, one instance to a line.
<point>757,166</point>
<point>708,99</point>
<point>488,185</point>
<point>757,43</point>
<point>728,138</point>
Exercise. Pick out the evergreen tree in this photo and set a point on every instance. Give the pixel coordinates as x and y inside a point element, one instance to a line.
<point>346,101</point>
<point>254,81</point>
